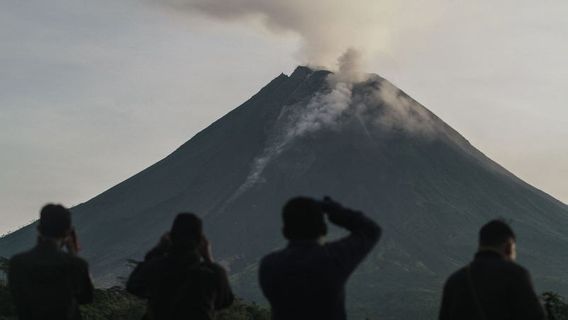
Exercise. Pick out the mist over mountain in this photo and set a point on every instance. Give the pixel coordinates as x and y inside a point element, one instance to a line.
<point>363,142</point>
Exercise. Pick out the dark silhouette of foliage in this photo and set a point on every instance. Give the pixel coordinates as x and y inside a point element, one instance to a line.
<point>113,303</point>
<point>241,310</point>
<point>131,264</point>
<point>4,262</point>
<point>117,304</point>
<point>7,310</point>
<point>556,306</point>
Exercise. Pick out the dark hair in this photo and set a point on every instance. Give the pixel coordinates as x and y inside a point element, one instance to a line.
<point>303,219</point>
<point>54,221</point>
<point>495,233</point>
<point>187,230</point>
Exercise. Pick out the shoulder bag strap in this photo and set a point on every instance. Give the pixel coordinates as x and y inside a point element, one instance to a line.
<point>474,294</point>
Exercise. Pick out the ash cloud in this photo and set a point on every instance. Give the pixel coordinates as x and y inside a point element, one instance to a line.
<point>330,29</point>
<point>326,27</point>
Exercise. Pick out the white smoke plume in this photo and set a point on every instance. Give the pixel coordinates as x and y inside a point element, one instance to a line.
<point>402,112</point>
<point>326,27</point>
<point>325,108</point>
<point>322,111</point>
<point>397,111</point>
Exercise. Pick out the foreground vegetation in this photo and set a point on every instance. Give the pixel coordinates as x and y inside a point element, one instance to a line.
<point>117,304</point>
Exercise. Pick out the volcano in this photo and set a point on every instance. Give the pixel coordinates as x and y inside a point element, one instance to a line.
<point>365,143</point>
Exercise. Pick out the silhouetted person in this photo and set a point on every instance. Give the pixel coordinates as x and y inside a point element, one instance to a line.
<point>50,281</point>
<point>179,278</point>
<point>306,280</point>
<point>493,286</point>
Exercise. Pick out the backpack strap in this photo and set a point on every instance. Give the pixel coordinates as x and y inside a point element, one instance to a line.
<point>476,300</point>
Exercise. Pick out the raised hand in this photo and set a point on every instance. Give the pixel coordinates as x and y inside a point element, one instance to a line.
<point>71,243</point>
<point>205,250</point>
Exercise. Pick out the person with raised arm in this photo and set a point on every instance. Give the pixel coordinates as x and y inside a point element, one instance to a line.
<point>50,281</point>
<point>306,279</point>
<point>178,276</point>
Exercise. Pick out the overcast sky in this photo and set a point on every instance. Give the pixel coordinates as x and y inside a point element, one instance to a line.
<point>92,92</point>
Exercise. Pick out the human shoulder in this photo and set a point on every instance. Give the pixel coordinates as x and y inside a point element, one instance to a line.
<point>272,258</point>
<point>19,258</point>
<point>22,258</point>
<point>457,277</point>
<point>76,261</point>
<point>212,268</point>
<point>24,255</point>
<point>156,265</point>
<point>516,271</point>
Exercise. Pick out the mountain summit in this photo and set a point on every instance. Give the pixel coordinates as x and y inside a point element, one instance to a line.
<point>365,143</point>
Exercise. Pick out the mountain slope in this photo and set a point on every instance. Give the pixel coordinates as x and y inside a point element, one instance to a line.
<point>366,144</point>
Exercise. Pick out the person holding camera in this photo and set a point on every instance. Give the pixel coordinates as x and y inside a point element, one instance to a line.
<point>306,280</point>
<point>178,276</point>
<point>50,281</point>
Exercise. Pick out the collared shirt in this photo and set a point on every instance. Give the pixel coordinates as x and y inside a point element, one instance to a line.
<point>48,283</point>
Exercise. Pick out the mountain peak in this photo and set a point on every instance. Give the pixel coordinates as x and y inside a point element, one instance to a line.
<point>301,72</point>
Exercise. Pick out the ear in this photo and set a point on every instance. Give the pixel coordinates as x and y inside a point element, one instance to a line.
<point>508,248</point>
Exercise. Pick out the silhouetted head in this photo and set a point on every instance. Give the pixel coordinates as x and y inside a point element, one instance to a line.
<point>54,221</point>
<point>497,235</point>
<point>303,219</point>
<point>187,230</point>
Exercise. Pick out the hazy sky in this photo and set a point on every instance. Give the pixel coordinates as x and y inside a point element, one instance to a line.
<point>92,92</point>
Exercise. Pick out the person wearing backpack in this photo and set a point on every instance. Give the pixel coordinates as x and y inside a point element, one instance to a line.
<point>178,276</point>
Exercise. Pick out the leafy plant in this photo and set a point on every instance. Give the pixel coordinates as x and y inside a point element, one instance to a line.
<point>556,306</point>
